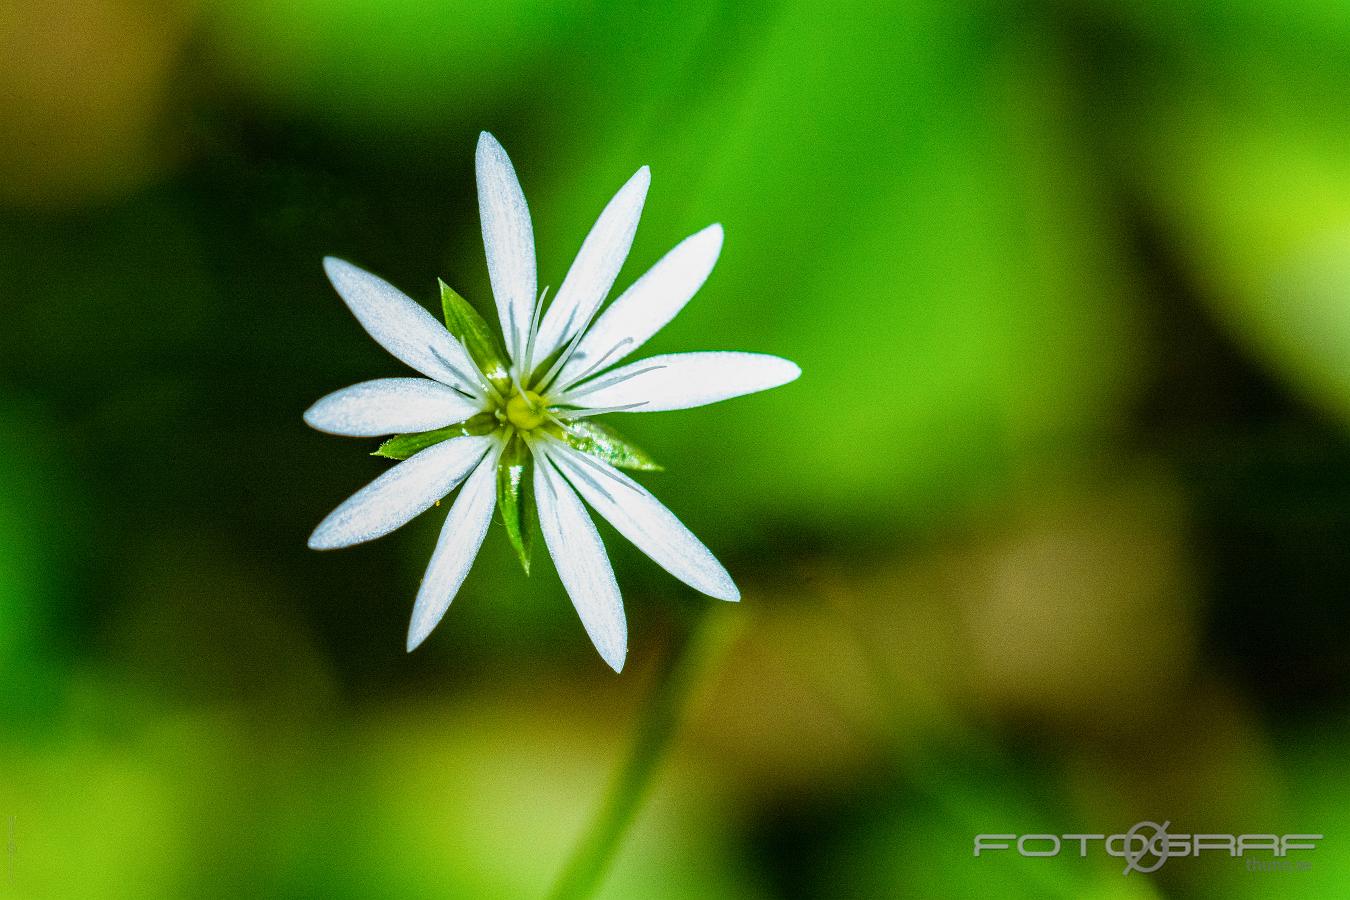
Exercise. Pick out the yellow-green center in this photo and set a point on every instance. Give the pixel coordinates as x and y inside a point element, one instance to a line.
<point>525,411</point>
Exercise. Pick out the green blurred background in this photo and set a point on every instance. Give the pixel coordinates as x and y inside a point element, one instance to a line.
<point>1050,536</point>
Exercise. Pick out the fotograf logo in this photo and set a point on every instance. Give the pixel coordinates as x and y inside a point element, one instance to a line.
<point>1148,845</point>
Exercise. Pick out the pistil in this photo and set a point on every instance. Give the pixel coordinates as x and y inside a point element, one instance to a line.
<point>526,411</point>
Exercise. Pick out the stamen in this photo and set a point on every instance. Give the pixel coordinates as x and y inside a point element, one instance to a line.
<point>534,332</point>
<point>572,344</point>
<point>589,479</point>
<point>563,463</point>
<point>476,379</point>
<point>570,460</point>
<point>539,452</point>
<point>602,361</point>
<point>601,410</point>
<point>561,361</point>
<point>492,390</point>
<point>606,382</point>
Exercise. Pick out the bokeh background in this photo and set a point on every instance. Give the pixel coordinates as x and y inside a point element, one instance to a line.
<point>1052,535</point>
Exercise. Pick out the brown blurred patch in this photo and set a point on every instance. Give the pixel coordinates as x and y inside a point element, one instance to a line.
<point>1203,762</point>
<point>1072,611</point>
<point>791,709</point>
<point>86,86</point>
<point>1081,610</point>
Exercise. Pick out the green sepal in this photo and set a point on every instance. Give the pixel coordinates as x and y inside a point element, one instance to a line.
<point>402,446</point>
<point>515,497</point>
<point>472,331</point>
<point>605,443</point>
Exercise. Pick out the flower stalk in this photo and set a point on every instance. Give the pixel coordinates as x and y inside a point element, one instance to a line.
<point>690,655</point>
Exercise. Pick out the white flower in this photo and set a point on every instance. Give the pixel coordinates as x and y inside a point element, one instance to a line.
<point>504,416</point>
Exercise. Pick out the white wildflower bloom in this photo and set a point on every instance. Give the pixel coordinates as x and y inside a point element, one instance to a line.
<point>512,423</point>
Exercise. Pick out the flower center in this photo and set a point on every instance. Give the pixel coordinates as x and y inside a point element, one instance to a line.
<point>525,411</point>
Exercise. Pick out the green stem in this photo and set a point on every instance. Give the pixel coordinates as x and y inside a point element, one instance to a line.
<point>674,683</point>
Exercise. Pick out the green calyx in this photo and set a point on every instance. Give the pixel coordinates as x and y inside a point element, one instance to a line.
<point>471,330</point>
<point>515,497</point>
<point>585,435</point>
<point>603,442</point>
<point>403,446</point>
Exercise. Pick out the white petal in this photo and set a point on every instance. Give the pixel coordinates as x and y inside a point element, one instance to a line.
<point>651,302</point>
<point>597,265</point>
<point>579,556</point>
<point>461,536</point>
<point>682,380</point>
<point>396,497</point>
<point>390,406</point>
<point>641,518</point>
<point>508,240</point>
<point>401,326</point>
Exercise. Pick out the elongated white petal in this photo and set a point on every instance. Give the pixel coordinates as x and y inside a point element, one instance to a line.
<point>401,326</point>
<point>597,265</point>
<point>390,406</point>
<point>648,305</point>
<point>645,521</point>
<point>397,496</point>
<point>579,555</point>
<point>508,240</point>
<point>683,380</point>
<point>461,537</point>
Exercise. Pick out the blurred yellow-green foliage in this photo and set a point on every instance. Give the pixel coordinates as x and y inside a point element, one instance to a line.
<point>1051,536</point>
